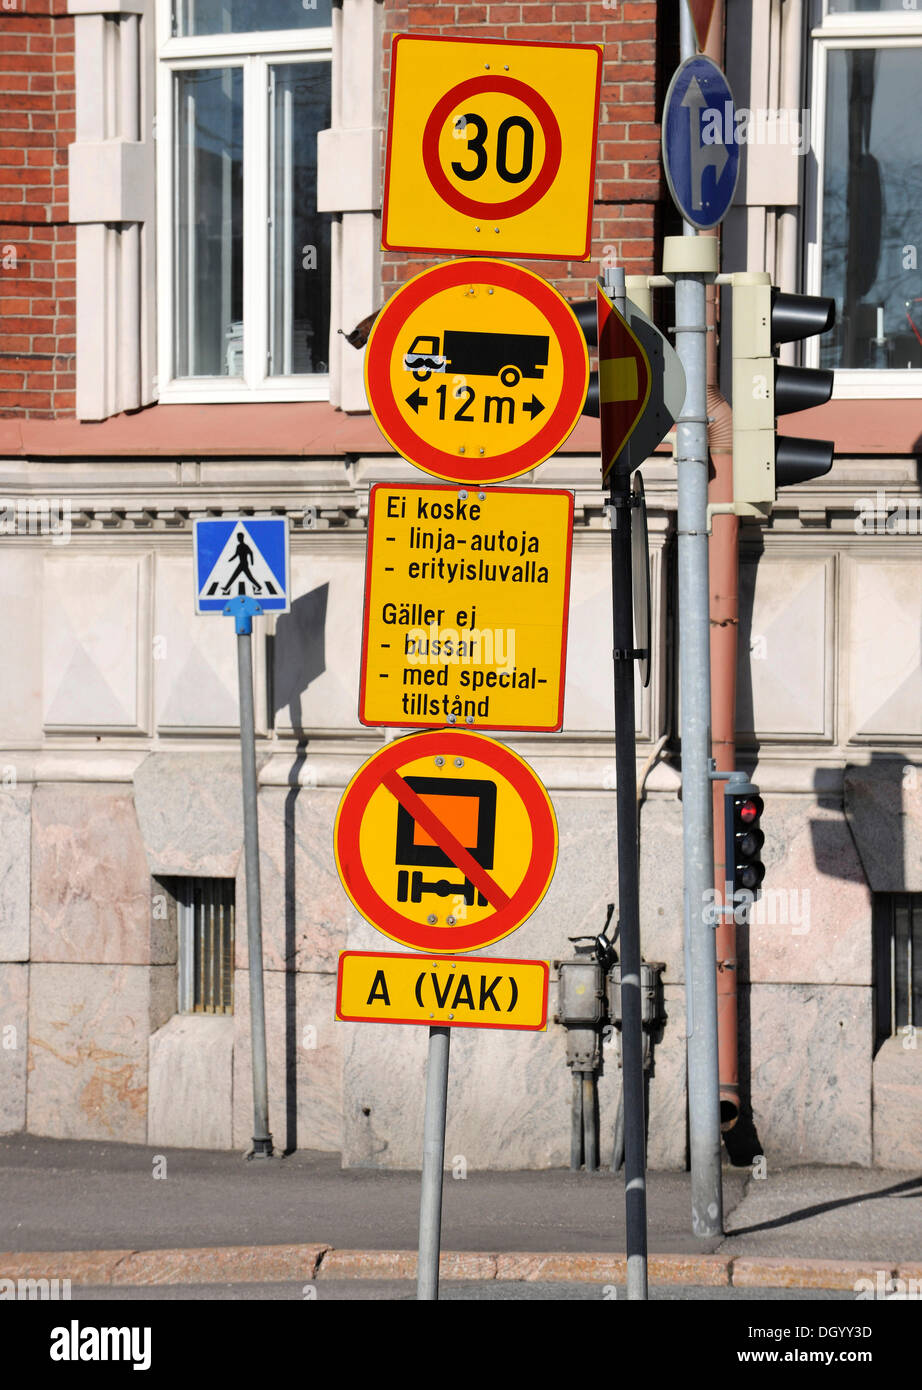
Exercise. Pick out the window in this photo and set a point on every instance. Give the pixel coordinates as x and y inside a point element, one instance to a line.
<point>205,936</point>
<point>898,963</point>
<point>244,256</point>
<point>864,248</point>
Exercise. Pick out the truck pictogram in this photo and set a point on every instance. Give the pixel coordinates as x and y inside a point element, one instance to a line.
<point>510,356</point>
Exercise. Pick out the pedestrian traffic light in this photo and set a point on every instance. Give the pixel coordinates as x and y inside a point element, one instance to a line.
<point>743,809</point>
<point>763,461</point>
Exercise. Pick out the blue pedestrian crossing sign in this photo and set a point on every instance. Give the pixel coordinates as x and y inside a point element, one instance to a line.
<point>701,152</point>
<point>240,557</point>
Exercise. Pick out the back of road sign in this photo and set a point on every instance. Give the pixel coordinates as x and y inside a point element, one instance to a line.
<point>700,151</point>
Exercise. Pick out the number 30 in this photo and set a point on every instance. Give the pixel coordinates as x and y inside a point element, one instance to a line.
<point>476,143</point>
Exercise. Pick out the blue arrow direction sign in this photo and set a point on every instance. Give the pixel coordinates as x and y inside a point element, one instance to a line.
<point>700,150</point>
<point>239,557</point>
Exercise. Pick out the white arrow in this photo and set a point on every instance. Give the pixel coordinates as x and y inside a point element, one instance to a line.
<point>701,155</point>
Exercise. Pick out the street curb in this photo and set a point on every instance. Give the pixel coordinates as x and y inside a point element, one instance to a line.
<point>276,1263</point>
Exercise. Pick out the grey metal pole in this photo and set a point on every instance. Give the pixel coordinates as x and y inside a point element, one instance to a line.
<point>695,693</point>
<point>262,1139</point>
<point>576,1123</point>
<point>430,1202</point>
<point>635,1180</point>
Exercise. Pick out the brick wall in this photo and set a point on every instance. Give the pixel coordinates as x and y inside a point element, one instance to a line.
<point>629,186</point>
<point>37,247</point>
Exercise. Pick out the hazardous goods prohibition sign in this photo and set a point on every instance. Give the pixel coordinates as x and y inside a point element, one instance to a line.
<point>445,841</point>
<point>476,371</point>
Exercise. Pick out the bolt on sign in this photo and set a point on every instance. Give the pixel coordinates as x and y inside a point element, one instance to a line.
<point>445,841</point>
<point>473,993</point>
<point>491,147</point>
<point>466,607</point>
<point>476,371</point>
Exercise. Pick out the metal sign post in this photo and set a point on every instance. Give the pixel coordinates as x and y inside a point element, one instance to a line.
<point>621,499</point>
<point>243,610</point>
<point>430,1200</point>
<point>250,558</point>
<point>702,179</point>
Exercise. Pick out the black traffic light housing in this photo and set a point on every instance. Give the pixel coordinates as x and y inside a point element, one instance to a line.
<point>743,807</point>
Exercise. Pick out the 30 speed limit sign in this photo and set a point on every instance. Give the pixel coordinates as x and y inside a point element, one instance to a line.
<point>491,147</point>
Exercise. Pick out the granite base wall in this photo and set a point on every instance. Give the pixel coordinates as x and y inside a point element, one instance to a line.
<point>95,1049</point>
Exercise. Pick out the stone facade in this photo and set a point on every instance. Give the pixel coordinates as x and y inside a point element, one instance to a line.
<point>91,1043</point>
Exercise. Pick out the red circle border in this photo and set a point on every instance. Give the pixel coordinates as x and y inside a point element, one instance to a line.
<point>522,902</point>
<point>553,147</point>
<point>557,314</point>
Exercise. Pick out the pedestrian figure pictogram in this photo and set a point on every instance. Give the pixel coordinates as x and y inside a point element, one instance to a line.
<point>244,557</point>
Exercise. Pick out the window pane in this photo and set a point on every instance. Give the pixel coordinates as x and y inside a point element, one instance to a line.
<point>208,212</point>
<point>194,17</point>
<point>299,244</point>
<point>872,201</point>
<point>860,6</point>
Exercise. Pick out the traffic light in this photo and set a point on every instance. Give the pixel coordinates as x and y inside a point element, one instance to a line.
<point>743,809</point>
<point>763,461</point>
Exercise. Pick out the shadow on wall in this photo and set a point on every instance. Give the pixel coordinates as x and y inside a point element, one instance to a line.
<point>297,657</point>
<point>883,807</point>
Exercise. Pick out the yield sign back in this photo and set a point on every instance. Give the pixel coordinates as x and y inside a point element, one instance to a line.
<point>624,381</point>
<point>701,11</point>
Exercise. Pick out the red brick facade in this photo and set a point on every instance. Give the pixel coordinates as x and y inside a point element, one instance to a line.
<point>37,246</point>
<point>629,186</point>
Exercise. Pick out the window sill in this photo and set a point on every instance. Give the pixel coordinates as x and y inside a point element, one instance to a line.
<point>226,391</point>
<point>306,429</point>
<point>261,430</point>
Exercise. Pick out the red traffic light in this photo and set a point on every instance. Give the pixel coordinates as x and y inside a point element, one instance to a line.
<point>750,809</point>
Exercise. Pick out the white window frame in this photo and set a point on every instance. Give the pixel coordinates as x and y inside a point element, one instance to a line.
<point>864,29</point>
<point>254,53</point>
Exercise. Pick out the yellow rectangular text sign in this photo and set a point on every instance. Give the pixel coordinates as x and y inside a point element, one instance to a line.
<point>475,992</point>
<point>467,597</point>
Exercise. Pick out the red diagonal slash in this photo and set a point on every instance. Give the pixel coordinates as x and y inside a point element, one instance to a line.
<point>446,841</point>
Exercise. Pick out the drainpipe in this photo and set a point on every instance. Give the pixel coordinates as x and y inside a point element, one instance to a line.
<point>724,621</point>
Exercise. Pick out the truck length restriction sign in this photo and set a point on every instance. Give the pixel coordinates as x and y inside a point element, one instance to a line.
<point>466,607</point>
<point>445,841</point>
<point>476,371</point>
<point>491,147</point>
<point>474,993</point>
